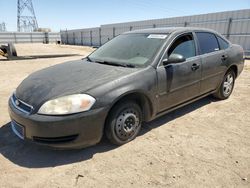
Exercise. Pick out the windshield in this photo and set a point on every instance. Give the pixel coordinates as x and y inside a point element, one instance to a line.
<point>130,49</point>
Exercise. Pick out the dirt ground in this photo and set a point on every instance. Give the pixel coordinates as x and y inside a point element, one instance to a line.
<point>205,144</point>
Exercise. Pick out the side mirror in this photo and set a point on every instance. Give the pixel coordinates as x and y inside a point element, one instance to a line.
<point>174,58</point>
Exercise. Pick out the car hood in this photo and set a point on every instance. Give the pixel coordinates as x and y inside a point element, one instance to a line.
<point>66,79</point>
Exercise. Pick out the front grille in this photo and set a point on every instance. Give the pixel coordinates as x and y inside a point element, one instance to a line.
<point>54,140</point>
<point>20,105</point>
<point>17,129</point>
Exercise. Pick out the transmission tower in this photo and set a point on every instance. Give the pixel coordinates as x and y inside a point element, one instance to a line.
<point>2,27</point>
<point>26,18</point>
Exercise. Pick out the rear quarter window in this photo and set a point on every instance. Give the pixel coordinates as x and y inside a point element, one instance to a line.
<point>208,42</point>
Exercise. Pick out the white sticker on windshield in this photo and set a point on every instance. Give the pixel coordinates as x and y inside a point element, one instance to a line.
<point>156,36</point>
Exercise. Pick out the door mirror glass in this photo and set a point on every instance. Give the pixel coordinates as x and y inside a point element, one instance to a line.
<point>174,58</point>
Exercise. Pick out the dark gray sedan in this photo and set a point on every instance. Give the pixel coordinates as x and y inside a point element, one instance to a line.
<point>134,78</point>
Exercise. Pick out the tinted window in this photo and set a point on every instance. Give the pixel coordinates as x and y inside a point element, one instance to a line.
<point>184,46</point>
<point>208,42</point>
<point>223,44</point>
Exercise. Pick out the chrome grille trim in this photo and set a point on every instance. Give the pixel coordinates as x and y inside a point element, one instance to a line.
<point>13,98</point>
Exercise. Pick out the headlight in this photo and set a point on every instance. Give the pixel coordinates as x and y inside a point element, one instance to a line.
<point>67,105</point>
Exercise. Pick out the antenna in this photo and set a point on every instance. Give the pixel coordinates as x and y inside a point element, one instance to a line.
<point>26,22</point>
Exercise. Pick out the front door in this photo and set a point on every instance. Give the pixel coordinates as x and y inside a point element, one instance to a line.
<point>179,82</point>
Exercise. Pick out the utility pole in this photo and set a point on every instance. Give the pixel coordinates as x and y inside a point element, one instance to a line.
<point>2,27</point>
<point>26,22</point>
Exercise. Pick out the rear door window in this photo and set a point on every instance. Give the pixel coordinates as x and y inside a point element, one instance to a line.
<point>223,44</point>
<point>208,42</point>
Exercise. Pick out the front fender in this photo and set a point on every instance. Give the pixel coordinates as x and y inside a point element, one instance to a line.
<point>142,82</point>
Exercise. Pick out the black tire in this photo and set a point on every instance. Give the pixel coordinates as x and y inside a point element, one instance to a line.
<point>123,123</point>
<point>221,92</point>
<point>12,49</point>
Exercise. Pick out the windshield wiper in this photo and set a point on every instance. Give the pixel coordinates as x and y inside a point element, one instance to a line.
<point>88,59</point>
<point>115,64</point>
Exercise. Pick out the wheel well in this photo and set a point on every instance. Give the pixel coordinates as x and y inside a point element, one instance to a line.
<point>142,100</point>
<point>235,69</point>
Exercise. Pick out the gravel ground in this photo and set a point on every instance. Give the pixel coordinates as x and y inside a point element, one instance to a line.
<point>205,144</point>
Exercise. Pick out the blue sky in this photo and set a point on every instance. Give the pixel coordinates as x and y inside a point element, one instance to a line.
<point>74,14</point>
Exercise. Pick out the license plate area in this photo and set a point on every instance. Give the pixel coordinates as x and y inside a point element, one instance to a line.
<point>17,129</point>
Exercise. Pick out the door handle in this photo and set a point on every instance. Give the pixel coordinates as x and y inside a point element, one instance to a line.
<point>195,67</point>
<point>223,57</point>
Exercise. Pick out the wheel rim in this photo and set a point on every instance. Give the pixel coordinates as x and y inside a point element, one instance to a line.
<point>228,84</point>
<point>127,124</point>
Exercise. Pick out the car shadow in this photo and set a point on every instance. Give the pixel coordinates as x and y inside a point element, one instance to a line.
<point>39,57</point>
<point>177,113</point>
<point>30,155</point>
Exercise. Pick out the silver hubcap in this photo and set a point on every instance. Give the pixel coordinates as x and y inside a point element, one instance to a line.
<point>127,124</point>
<point>228,84</point>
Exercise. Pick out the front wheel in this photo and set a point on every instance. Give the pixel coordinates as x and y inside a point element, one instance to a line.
<point>226,86</point>
<point>123,123</point>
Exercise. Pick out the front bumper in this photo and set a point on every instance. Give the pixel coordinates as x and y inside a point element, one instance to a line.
<point>68,131</point>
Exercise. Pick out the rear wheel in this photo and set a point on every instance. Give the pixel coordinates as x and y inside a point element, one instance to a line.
<point>226,86</point>
<point>123,123</point>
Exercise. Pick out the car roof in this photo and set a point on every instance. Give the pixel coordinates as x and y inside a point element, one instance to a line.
<point>169,30</point>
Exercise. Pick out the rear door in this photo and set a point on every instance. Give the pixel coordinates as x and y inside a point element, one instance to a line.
<point>179,82</point>
<point>213,61</point>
